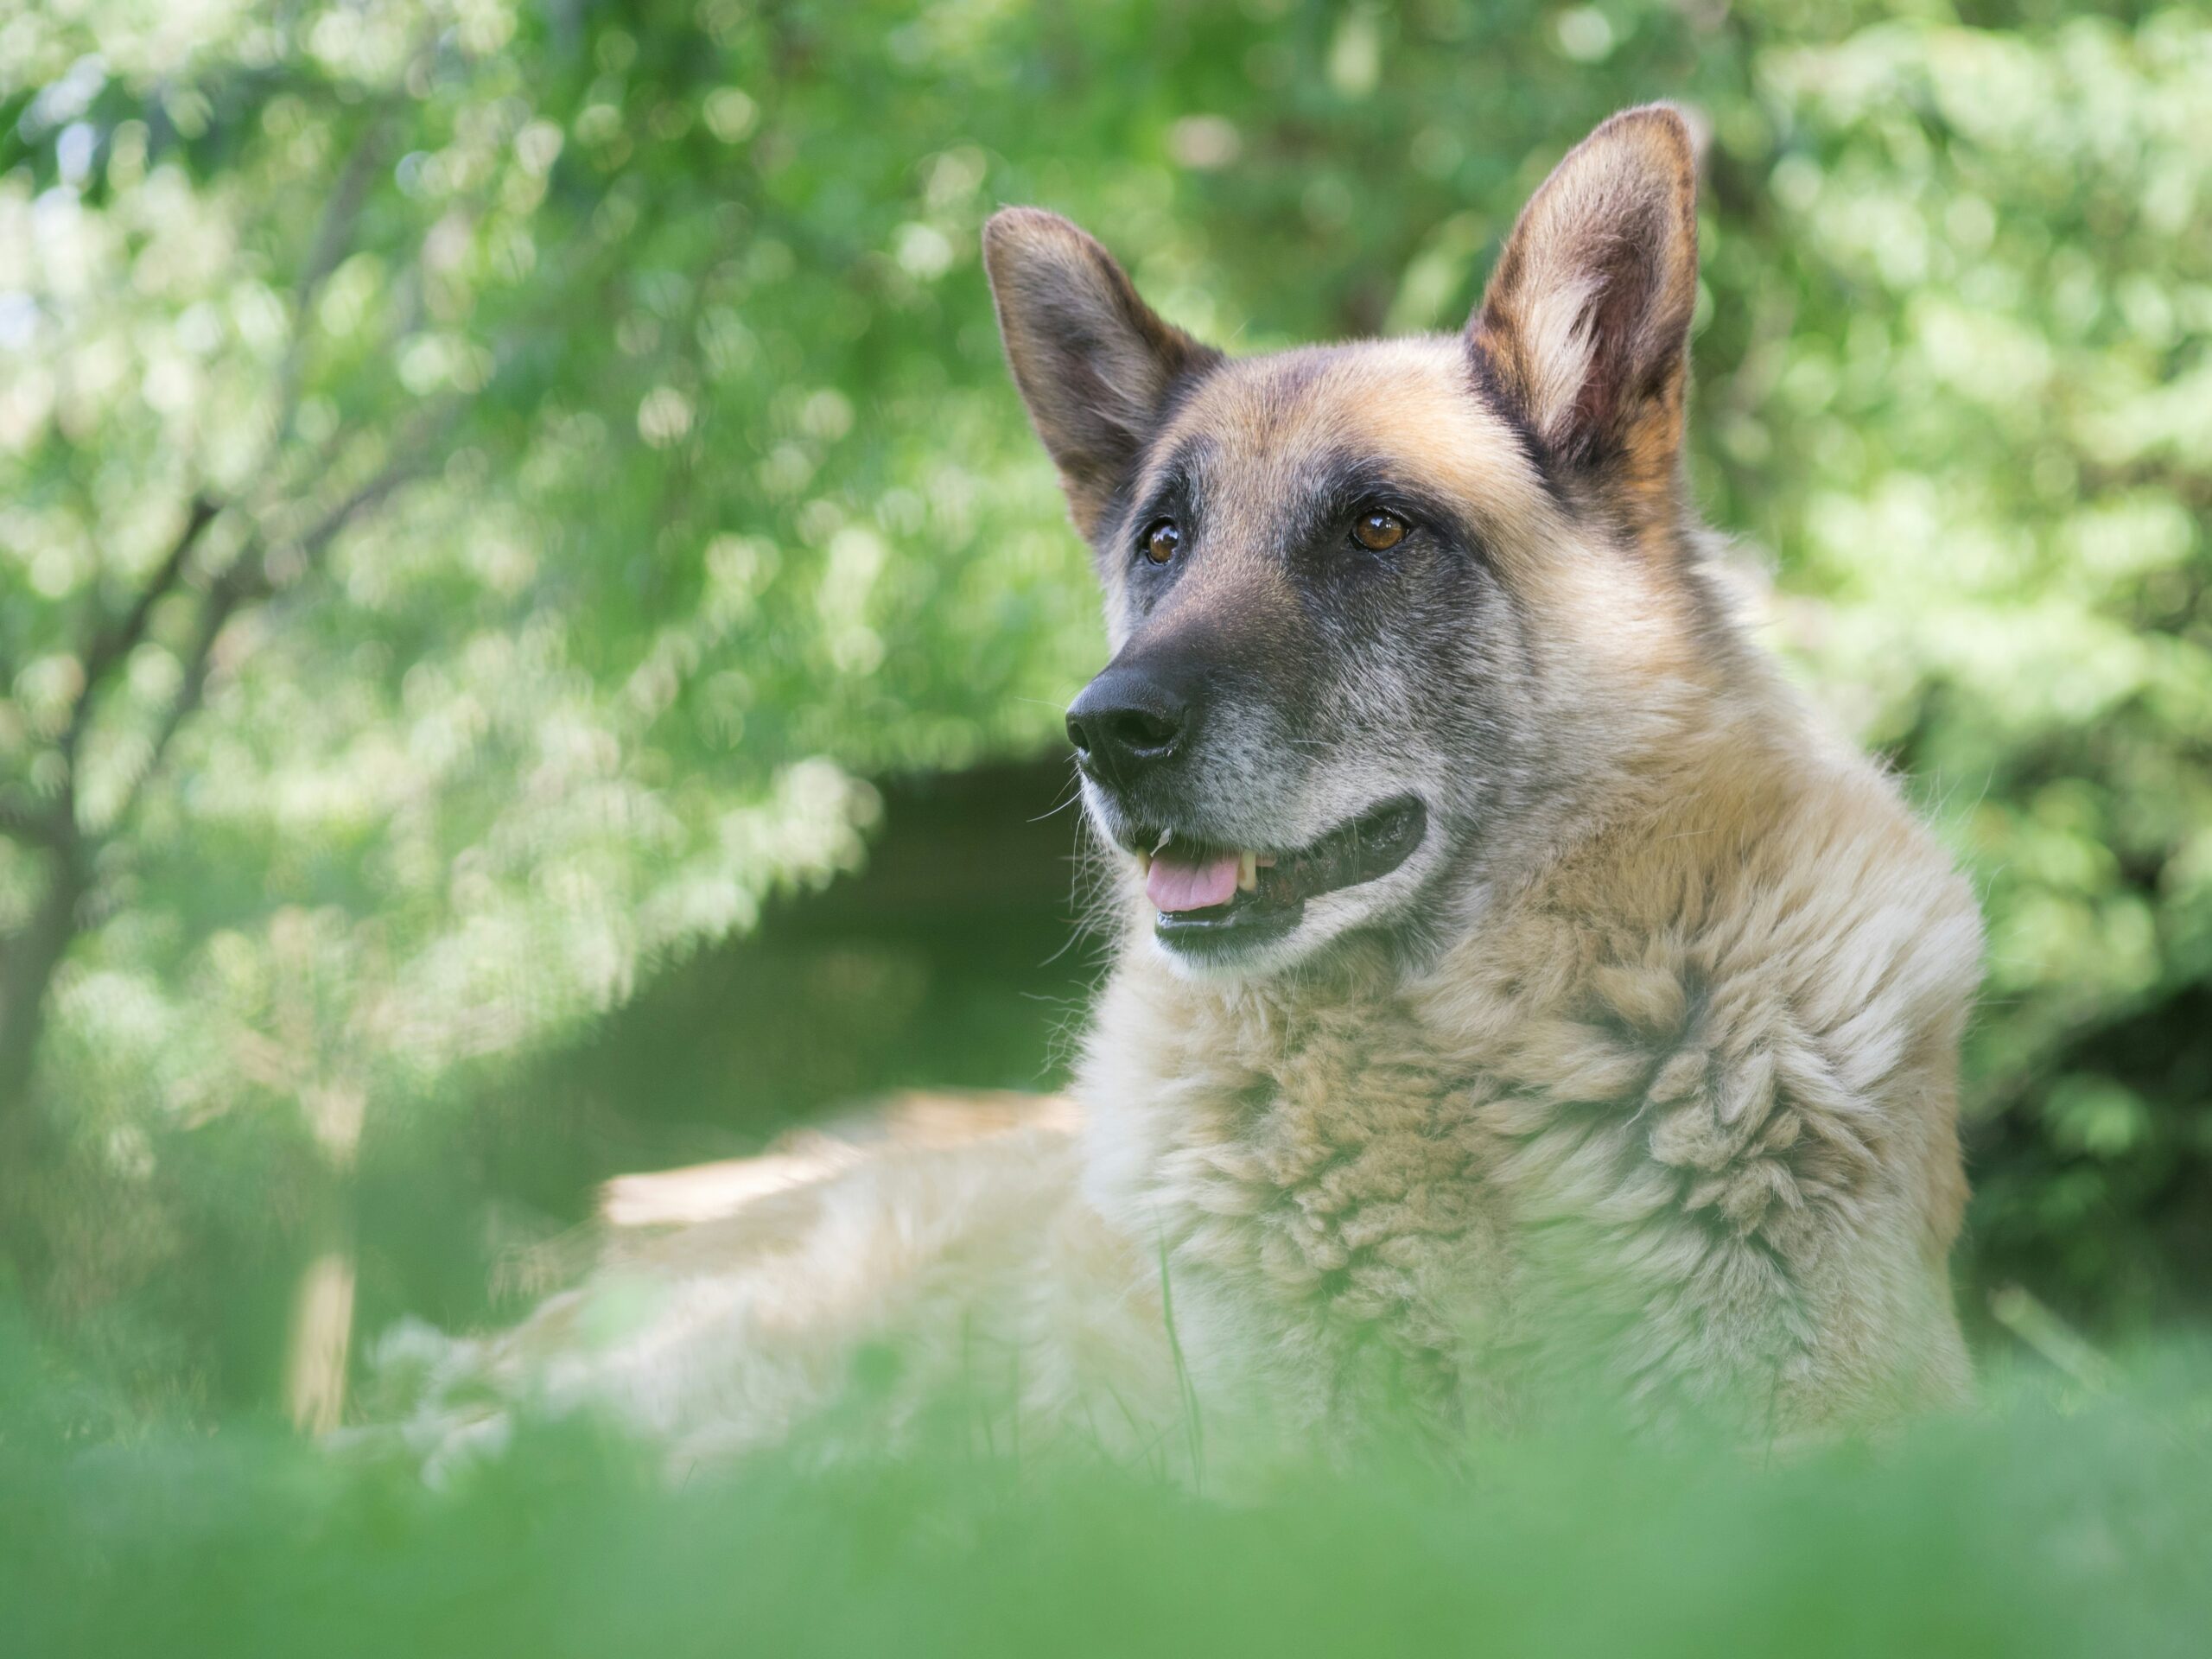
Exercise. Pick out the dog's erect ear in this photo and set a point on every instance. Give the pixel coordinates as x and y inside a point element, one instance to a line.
<point>1584,329</point>
<point>1095,366</point>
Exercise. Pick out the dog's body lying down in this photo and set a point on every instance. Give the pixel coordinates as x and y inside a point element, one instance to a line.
<point>1519,991</point>
<point>736,1302</point>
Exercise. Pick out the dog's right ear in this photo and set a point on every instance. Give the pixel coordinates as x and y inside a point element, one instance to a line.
<point>1095,364</point>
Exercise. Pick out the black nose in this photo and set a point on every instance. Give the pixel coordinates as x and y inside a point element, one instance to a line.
<point>1125,720</point>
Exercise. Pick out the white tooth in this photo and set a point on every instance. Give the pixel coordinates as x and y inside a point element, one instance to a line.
<point>1144,863</point>
<point>1248,870</point>
<point>1165,836</point>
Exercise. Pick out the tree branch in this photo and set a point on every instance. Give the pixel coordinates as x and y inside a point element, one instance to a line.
<point>223,601</point>
<point>247,579</point>
<point>334,235</point>
<point>112,644</point>
<point>335,232</point>
<point>401,471</point>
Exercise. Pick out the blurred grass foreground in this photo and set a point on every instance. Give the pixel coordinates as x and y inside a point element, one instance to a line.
<point>2029,1532</point>
<point>527,603</point>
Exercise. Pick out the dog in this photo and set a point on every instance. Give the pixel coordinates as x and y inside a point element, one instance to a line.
<point>1518,990</point>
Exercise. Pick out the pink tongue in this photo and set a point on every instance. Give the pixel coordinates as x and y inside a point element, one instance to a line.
<point>1173,887</point>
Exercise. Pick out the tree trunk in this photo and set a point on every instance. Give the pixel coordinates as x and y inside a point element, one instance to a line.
<point>26,972</point>
<point>319,1349</point>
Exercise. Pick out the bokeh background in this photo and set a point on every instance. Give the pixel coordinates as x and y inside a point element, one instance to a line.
<point>532,629</point>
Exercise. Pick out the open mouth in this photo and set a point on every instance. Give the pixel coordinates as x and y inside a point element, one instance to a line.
<point>1218,901</point>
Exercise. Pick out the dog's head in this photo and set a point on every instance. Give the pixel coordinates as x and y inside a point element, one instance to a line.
<point>1369,604</point>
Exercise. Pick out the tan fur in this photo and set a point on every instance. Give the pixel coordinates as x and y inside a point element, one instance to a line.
<point>1668,1115</point>
<point>1682,1108</point>
<point>948,1249</point>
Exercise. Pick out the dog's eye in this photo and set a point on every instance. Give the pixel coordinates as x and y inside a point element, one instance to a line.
<point>1379,531</point>
<point>1161,541</point>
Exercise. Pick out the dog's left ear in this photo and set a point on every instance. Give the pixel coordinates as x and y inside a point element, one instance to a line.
<point>1584,330</point>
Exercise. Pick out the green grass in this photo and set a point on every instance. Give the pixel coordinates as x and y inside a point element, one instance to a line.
<point>2038,1526</point>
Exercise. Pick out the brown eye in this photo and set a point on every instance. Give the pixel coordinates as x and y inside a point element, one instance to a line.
<point>1161,541</point>
<point>1379,531</point>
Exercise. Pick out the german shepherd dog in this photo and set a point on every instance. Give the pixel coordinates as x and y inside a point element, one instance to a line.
<point>1517,989</point>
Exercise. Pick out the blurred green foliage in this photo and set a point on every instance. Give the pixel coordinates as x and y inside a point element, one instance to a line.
<point>2033,1531</point>
<point>483,483</point>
